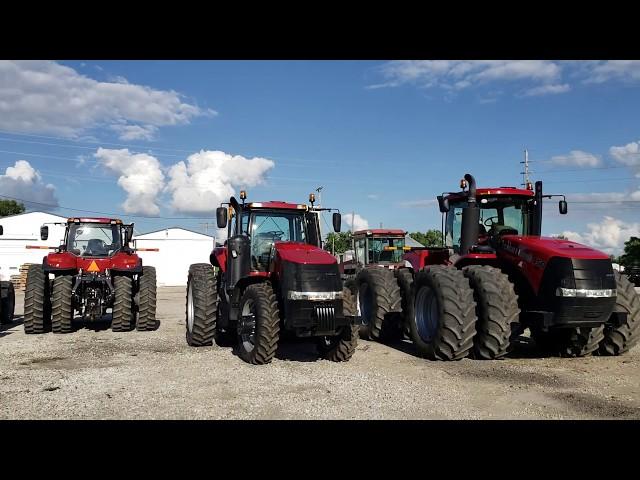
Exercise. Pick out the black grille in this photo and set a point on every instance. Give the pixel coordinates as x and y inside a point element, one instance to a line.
<point>311,278</point>
<point>326,318</point>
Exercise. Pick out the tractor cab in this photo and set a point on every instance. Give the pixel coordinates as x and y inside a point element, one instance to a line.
<point>382,247</point>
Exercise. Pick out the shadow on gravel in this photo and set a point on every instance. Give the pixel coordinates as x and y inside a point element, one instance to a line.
<point>100,325</point>
<point>599,407</point>
<point>17,321</point>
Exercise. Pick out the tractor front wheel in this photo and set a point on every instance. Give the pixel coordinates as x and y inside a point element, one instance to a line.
<point>340,348</point>
<point>497,310</point>
<point>122,317</point>
<point>202,302</point>
<point>61,306</point>
<point>259,324</point>
<point>619,339</point>
<point>147,300</point>
<point>8,300</point>
<point>443,320</point>
<point>37,304</point>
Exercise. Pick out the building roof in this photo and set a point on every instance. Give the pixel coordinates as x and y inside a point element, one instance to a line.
<point>411,242</point>
<point>142,235</point>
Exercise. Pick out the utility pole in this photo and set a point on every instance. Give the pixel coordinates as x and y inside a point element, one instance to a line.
<point>353,219</point>
<point>525,175</point>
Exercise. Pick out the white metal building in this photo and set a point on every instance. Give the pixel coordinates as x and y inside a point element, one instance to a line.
<point>22,230</point>
<point>177,249</point>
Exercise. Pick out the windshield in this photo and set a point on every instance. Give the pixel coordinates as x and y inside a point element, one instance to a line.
<point>497,214</point>
<point>382,250</point>
<point>93,239</point>
<point>270,227</point>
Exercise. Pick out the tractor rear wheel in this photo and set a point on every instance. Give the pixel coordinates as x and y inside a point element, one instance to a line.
<point>379,299</point>
<point>340,348</point>
<point>496,308</point>
<point>569,342</point>
<point>404,277</point>
<point>122,317</point>
<point>259,324</point>
<point>37,304</point>
<point>202,303</point>
<point>61,306</point>
<point>619,339</point>
<point>147,300</point>
<point>8,300</point>
<point>443,314</point>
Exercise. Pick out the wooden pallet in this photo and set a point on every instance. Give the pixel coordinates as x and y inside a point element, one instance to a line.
<point>20,281</point>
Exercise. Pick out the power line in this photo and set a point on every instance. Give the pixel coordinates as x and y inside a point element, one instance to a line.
<point>110,214</point>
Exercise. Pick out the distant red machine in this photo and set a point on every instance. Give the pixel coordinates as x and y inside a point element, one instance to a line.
<point>92,270</point>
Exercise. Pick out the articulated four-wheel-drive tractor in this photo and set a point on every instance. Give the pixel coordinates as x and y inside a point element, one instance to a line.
<point>272,276</point>
<point>497,276</point>
<point>7,298</point>
<point>92,270</point>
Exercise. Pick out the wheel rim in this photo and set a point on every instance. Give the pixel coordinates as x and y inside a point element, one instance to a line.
<point>426,314</point>
<point>190,308</point>
<point>365,303</point>
<point>247,326</point>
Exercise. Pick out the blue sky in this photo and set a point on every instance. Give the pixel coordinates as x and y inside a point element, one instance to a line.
<point>382,138</point>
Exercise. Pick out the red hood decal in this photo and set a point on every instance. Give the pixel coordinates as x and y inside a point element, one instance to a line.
<point>296,252</point>
<point>547,247</point>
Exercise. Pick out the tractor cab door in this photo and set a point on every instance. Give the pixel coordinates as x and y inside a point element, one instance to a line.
<point>313,229</point>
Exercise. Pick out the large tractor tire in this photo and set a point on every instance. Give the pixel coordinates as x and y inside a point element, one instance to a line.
<point>37,303</point>
<point>202,303</point>
<point>147,299</point>
<point>259,324</point>
<point>8,306</point>
<point>443,314</point>
<point>340,348</point>
<point>404,277</point>
<point>61,305</point>
<point>619,339</point>
<point>496,308</point>
<point>379,300</point>
<point>123,312</point>
<point>569,342</point>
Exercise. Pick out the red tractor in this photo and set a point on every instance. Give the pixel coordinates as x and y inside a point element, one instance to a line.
<point>371,276</point>
<point>501,276</point>
<point>272,276</point>
<point>7,298</point>
<point>92,270</point>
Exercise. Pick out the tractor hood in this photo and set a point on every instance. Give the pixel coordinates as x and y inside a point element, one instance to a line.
<point>546,247</point>
<point>296,252</point>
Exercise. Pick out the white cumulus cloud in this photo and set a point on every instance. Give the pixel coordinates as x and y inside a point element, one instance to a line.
<point>47,97</point>
<point>547,90</point>
<point>24,182</point>
<point>355,221</point>
<point>629,155</point>
<point>609,235</point>
<point>603,71</point>
<point>210,177</point>
<point>577,158</point>
<point>139,174</point>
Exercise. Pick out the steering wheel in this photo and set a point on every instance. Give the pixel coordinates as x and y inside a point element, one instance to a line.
<point>494,219</point>
<point>273,233</point>
<point>102,247</point>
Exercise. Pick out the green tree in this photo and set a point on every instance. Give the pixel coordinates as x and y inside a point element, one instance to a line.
<point>431,238</point>
<point>10,207</point>
<point>631,255</point>
<point>341,241</point>
<point>560,237</point>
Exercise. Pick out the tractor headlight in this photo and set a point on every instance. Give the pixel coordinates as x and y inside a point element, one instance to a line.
<point>314,296</point>
<point>586,293</point>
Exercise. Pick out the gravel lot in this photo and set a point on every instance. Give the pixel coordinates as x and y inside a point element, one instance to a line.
<point>98,374</point>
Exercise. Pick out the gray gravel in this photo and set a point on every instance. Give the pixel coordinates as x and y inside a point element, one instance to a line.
<point>100,374</point>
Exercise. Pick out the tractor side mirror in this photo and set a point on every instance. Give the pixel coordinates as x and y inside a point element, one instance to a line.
<point>337,221</point>
<point>443,203</point>
<point>221,217</point>
<point>1,230</point>
<point>562,207</point>
<point>128,234</point>
<point>44,232</point>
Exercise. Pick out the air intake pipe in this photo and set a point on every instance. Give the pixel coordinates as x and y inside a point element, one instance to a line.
<point>470,218</point>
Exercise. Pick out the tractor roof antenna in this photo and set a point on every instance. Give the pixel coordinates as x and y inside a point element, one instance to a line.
<point>319,190</point>
<point>525,175</point>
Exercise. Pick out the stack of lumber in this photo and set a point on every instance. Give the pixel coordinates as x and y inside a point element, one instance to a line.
<point>20,281</point>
